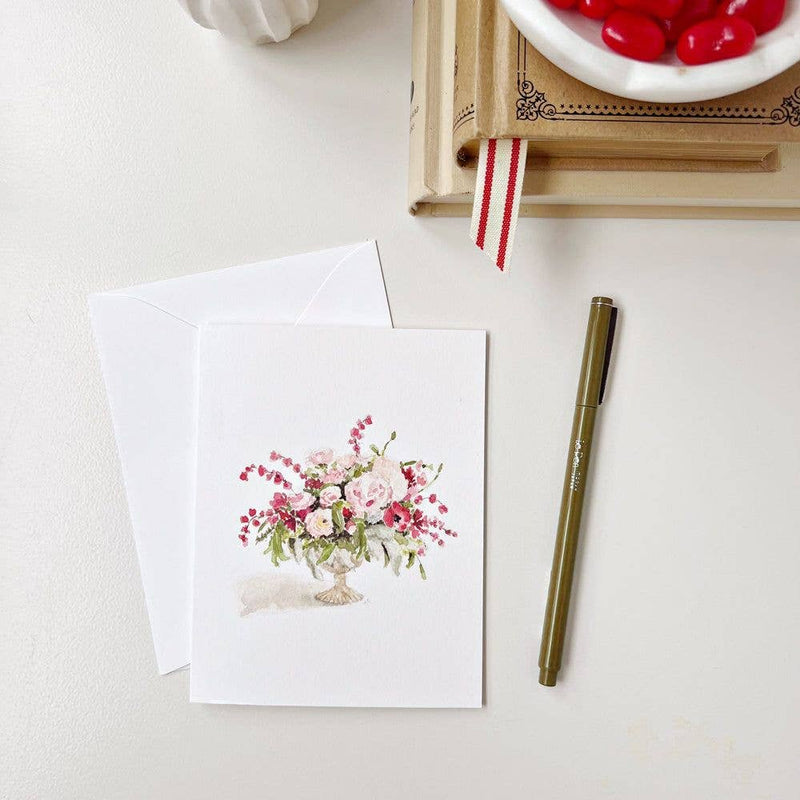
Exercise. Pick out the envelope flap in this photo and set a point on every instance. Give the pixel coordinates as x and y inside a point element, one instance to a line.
<point>277,290</point>
<point>353,294</point>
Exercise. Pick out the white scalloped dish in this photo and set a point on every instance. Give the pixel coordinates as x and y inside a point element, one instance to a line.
<point>573,43</point>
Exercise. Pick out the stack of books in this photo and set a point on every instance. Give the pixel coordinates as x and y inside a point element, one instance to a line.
<point>475,77</point>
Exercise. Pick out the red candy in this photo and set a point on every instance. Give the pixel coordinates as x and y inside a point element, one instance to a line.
<point>693,11</point>
<point>715,40</point>
<point>596,9</point>
<point>662,9</point>
<point>634,35</point>
<point>702,30</point>
<point>763,15</point>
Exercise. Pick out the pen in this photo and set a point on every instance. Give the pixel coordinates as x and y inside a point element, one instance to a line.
<point>591,387</point>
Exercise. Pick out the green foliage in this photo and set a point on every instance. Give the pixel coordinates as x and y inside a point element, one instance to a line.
<point>391,439</point>
<point>365,542</point>
<point>360,540</point>
<point>327,552</point>
<point>275,547</point>
<point>337,516</point>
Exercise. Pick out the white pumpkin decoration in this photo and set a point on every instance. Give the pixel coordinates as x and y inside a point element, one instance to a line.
<point>258,21</point>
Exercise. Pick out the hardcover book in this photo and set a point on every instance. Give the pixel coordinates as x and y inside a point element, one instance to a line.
<point>752,173</point>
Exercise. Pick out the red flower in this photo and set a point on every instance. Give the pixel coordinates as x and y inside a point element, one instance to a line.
<point>442,509</point>
<point>396,516</point>
<point>244,518</point>
<point>278,500</point>
<point>252,512</point>
<point>262,470</point>
<point>432,498</point>
<point>273,456</point>
<point>243,476</point>
<point>243,539</point>
<point>368,419</point>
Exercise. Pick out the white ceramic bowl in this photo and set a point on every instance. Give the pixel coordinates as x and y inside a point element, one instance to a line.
<point>573,43</point>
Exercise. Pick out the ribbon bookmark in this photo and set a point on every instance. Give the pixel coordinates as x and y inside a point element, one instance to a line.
<point>501,168</point>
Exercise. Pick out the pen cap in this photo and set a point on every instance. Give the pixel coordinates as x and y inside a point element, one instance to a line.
<point>597,352</point>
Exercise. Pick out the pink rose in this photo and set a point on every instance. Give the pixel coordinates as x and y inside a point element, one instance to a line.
<point>300,501</point>
<point>334,476</point>
<point>323,456</point>
<point>329,495</point>
<point>347,461</point>
<point>319,523</point>
<point>392,473</point>
<point>368,496</point>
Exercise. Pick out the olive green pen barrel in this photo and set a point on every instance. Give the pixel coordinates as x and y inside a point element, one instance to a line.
<point>591,387</point>
<point>569,522</point>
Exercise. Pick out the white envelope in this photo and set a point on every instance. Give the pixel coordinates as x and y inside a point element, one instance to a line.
<point>147,338</point>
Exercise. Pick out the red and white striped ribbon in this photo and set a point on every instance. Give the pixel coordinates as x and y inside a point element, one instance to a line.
<point>501,168</point>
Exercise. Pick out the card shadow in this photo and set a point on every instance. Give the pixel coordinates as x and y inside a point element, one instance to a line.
<point>274,592</point>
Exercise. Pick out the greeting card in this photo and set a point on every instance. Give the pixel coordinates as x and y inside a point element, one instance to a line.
<point>339,517</point>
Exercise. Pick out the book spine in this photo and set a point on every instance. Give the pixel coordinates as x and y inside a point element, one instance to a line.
<point>426,91</point>
<point>471,40</point>
<point>417,188</point>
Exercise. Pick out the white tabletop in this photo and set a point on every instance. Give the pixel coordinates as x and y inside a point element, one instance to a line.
<point>136,146</point>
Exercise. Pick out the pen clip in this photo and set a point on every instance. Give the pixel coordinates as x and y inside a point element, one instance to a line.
<point>612,326</point>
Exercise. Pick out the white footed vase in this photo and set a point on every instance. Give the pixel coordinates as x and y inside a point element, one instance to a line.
<point>257,21</point>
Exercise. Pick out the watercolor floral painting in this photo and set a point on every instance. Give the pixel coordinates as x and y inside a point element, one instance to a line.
<point>333,511</point>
